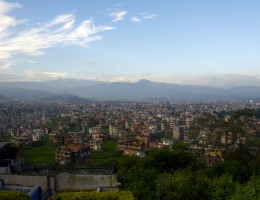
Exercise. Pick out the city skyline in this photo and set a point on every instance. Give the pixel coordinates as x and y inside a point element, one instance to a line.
<point>213,43</point>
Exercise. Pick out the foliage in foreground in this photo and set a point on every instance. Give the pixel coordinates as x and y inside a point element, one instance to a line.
<point>185,185</point>
<point>139,175</point>
<point>248,191</point>
<point>11,195</point>
<point>167,174</point>
<point>114,195</point>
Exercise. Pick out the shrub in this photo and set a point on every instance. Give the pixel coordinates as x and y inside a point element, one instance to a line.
<point>248,191</point>
<point>114,195</point>
<point>11,195</point>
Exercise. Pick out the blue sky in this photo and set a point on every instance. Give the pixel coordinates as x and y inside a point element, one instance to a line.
<point>204,42</point>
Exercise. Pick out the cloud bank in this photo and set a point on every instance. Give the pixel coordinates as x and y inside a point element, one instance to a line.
<point>62,30</point>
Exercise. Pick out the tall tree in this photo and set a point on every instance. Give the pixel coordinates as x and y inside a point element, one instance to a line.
<point>224,134</point>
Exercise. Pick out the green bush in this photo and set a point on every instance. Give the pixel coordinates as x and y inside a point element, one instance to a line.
<point>248,191</point>
<point>222,188</point>
<point>183,185</point>
<point>122,195</point>
<point>11,195</point>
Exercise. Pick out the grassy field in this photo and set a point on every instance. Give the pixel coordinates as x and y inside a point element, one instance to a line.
<point>109,150</point>
<point>40,155</point>
<point>46,154</point>
<point>109,155</point>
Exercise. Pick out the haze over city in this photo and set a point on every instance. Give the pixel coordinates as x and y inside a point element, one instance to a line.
<point>210,43</point>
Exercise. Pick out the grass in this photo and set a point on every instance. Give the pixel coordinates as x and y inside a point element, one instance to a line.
<point>109,154</point>
<point>109,150</point>
<point>46,154</point>
<point>110,146</point>
<point>42,154</point>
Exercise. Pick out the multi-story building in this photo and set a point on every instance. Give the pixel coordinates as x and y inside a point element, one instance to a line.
<point>71,153</point>
<point>96,144</point>
<point>133,148</point>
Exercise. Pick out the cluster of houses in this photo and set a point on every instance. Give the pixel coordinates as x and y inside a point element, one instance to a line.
<point>135,126</point>
<point>76,146</point>
<point>27,137</point>
<point>135,129</point>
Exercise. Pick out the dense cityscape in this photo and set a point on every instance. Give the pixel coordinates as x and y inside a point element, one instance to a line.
<point>46,138</point>
<point>129,100</point>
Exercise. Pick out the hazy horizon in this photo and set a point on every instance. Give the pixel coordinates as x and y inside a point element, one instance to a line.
<point>207,43</point>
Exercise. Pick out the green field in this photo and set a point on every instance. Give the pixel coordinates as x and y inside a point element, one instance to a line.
<point>109,150</point>
<point>40,155</point>
<point>46,154</point>
<point>109,154</point>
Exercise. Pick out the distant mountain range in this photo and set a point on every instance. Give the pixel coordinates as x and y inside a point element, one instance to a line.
<point>143,90</point>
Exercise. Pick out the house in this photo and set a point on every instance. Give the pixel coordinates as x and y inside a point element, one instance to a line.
<point>96,144</point>
<point>56,136</point>
<point>11,157</point>
<point>133,148</point>
<point>165,143</point>
<point>25,140</point>
<point>71,153</point>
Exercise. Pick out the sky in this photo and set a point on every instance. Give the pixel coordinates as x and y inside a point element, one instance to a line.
<point>203,42</point>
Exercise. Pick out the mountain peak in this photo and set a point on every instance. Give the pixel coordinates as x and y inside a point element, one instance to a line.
<point>144,81</point>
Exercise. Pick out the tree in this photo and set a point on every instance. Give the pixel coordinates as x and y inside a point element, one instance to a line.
<point>135,177</point>
<point>224,135</point>
<point>222,187</point>
<point>238,171</point>
<point>170,160</point>
<point>139,175</point>
<point>183,185</point>
<point>248,191</point>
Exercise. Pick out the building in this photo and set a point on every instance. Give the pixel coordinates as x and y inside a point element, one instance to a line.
<point>113,131</point>
<point>165,143</point>
<point>35,193</point>
<point>96,144</point>
<point>11,157</point>
<point>176,132</point>
<point>133,148</point>
<point>71,153</point>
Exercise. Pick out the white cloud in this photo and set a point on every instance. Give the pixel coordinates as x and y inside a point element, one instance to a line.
<point>214,80</point>
<point>32,62</point>
<point>6,65</point>
<point>7,21</point>
<point>61,19</point>
<point>149,16</point>
<point>35,75</point>
<point>142,16</point>
<point>35,40</point>
<point>69,25</point>
<point>135,19</point>
<point>5,7</point>
<point>118,15</point>
<point>55,75</point>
